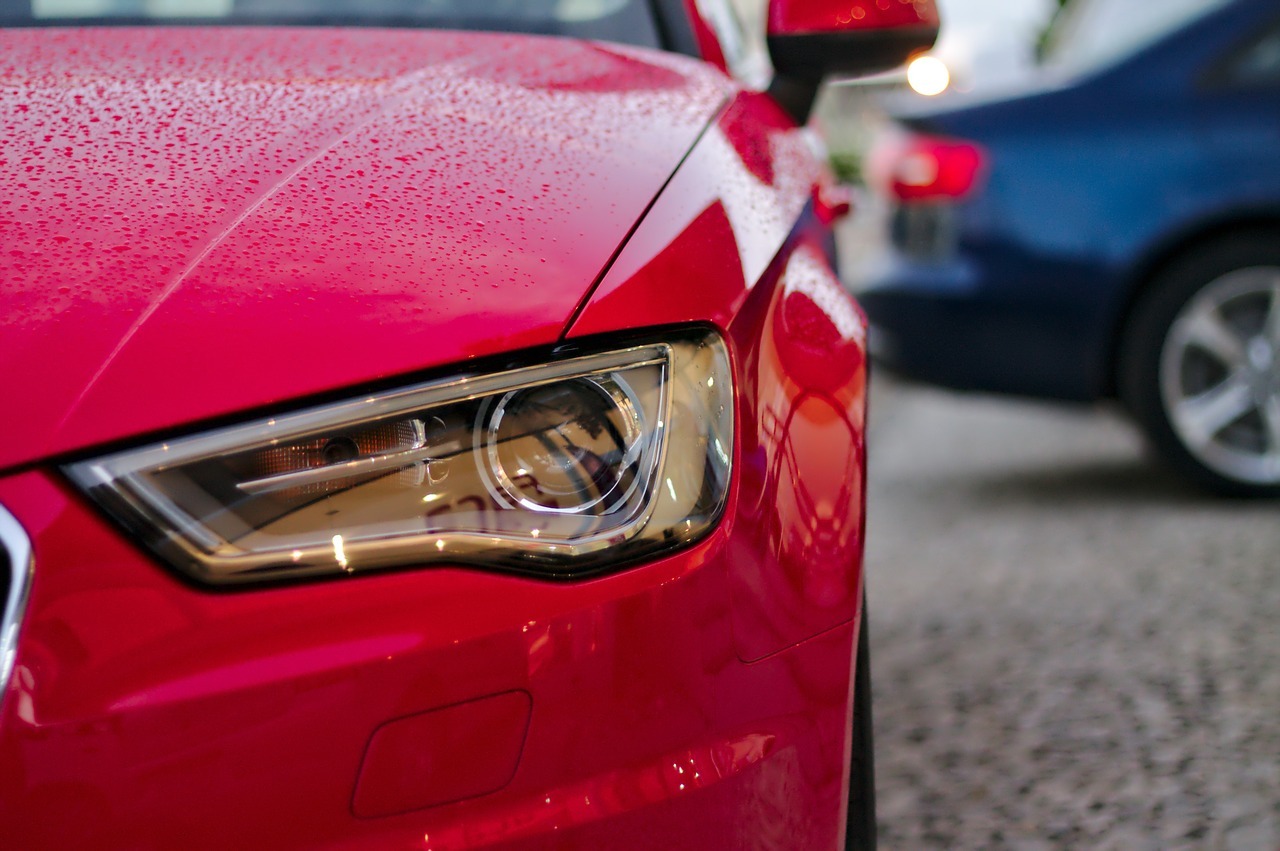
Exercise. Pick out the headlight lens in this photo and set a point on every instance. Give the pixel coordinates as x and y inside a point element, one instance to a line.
<point>562,469</point>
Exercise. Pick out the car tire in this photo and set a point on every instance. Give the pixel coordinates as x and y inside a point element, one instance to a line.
<point>1200,365</point>
<point>860,828</point>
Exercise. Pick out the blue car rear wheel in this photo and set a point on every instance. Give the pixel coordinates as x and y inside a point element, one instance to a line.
<point>1201,365</point>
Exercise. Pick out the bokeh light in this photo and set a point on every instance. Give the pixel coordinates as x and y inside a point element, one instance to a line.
<point>928,75</point>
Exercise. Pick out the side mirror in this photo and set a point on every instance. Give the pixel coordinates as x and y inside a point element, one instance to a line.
<point>813,39</point>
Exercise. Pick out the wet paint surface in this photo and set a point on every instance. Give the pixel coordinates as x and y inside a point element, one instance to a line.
<point>198,222</point>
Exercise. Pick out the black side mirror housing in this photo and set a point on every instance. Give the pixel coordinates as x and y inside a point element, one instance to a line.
<point>810,40</point>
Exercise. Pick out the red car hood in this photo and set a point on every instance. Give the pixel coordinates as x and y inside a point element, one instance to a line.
<point>194,223</point>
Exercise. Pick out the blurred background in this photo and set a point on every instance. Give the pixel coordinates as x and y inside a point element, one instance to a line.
<point>983,43</point>
<point>1076,636</point>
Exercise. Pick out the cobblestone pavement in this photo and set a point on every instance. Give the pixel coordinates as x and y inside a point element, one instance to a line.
<point>1070,648</point>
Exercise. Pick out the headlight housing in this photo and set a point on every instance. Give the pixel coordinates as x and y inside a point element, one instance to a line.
<point>563,469</point>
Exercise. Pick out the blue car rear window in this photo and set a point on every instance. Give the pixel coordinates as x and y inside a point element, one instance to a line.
<point>1092,34</point>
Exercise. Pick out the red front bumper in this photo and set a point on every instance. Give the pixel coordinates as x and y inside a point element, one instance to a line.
<point>146,713</point>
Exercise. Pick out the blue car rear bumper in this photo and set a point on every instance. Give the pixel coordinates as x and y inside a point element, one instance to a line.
<point>957,325</point>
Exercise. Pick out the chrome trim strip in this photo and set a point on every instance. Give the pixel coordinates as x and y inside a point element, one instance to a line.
<point>22,568</point>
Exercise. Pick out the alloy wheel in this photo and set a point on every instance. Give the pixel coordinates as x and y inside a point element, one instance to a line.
<point>1220,375</point>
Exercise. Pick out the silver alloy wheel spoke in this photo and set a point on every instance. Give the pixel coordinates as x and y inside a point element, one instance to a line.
<point>1202,418</point>
<point>1206,329</point>
<point>1273,317</point>
<point>1271,417</point>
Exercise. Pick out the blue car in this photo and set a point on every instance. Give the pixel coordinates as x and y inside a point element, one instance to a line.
<point>1108,229</point>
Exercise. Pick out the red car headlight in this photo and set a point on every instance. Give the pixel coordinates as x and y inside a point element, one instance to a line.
<point>561,469</point>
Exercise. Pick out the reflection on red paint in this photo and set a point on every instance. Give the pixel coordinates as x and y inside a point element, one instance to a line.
<point>805,461</point>
<point>719,224</point>
<point>610,794</point>
<point>819,331</point>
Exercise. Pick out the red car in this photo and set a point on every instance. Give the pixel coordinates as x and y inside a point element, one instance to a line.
<point>427,438</point>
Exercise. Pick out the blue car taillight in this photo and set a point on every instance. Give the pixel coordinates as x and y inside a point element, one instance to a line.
<point>914,168</point>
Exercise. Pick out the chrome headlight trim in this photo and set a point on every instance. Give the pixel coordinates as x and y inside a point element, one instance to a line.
<point>17,547</point>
